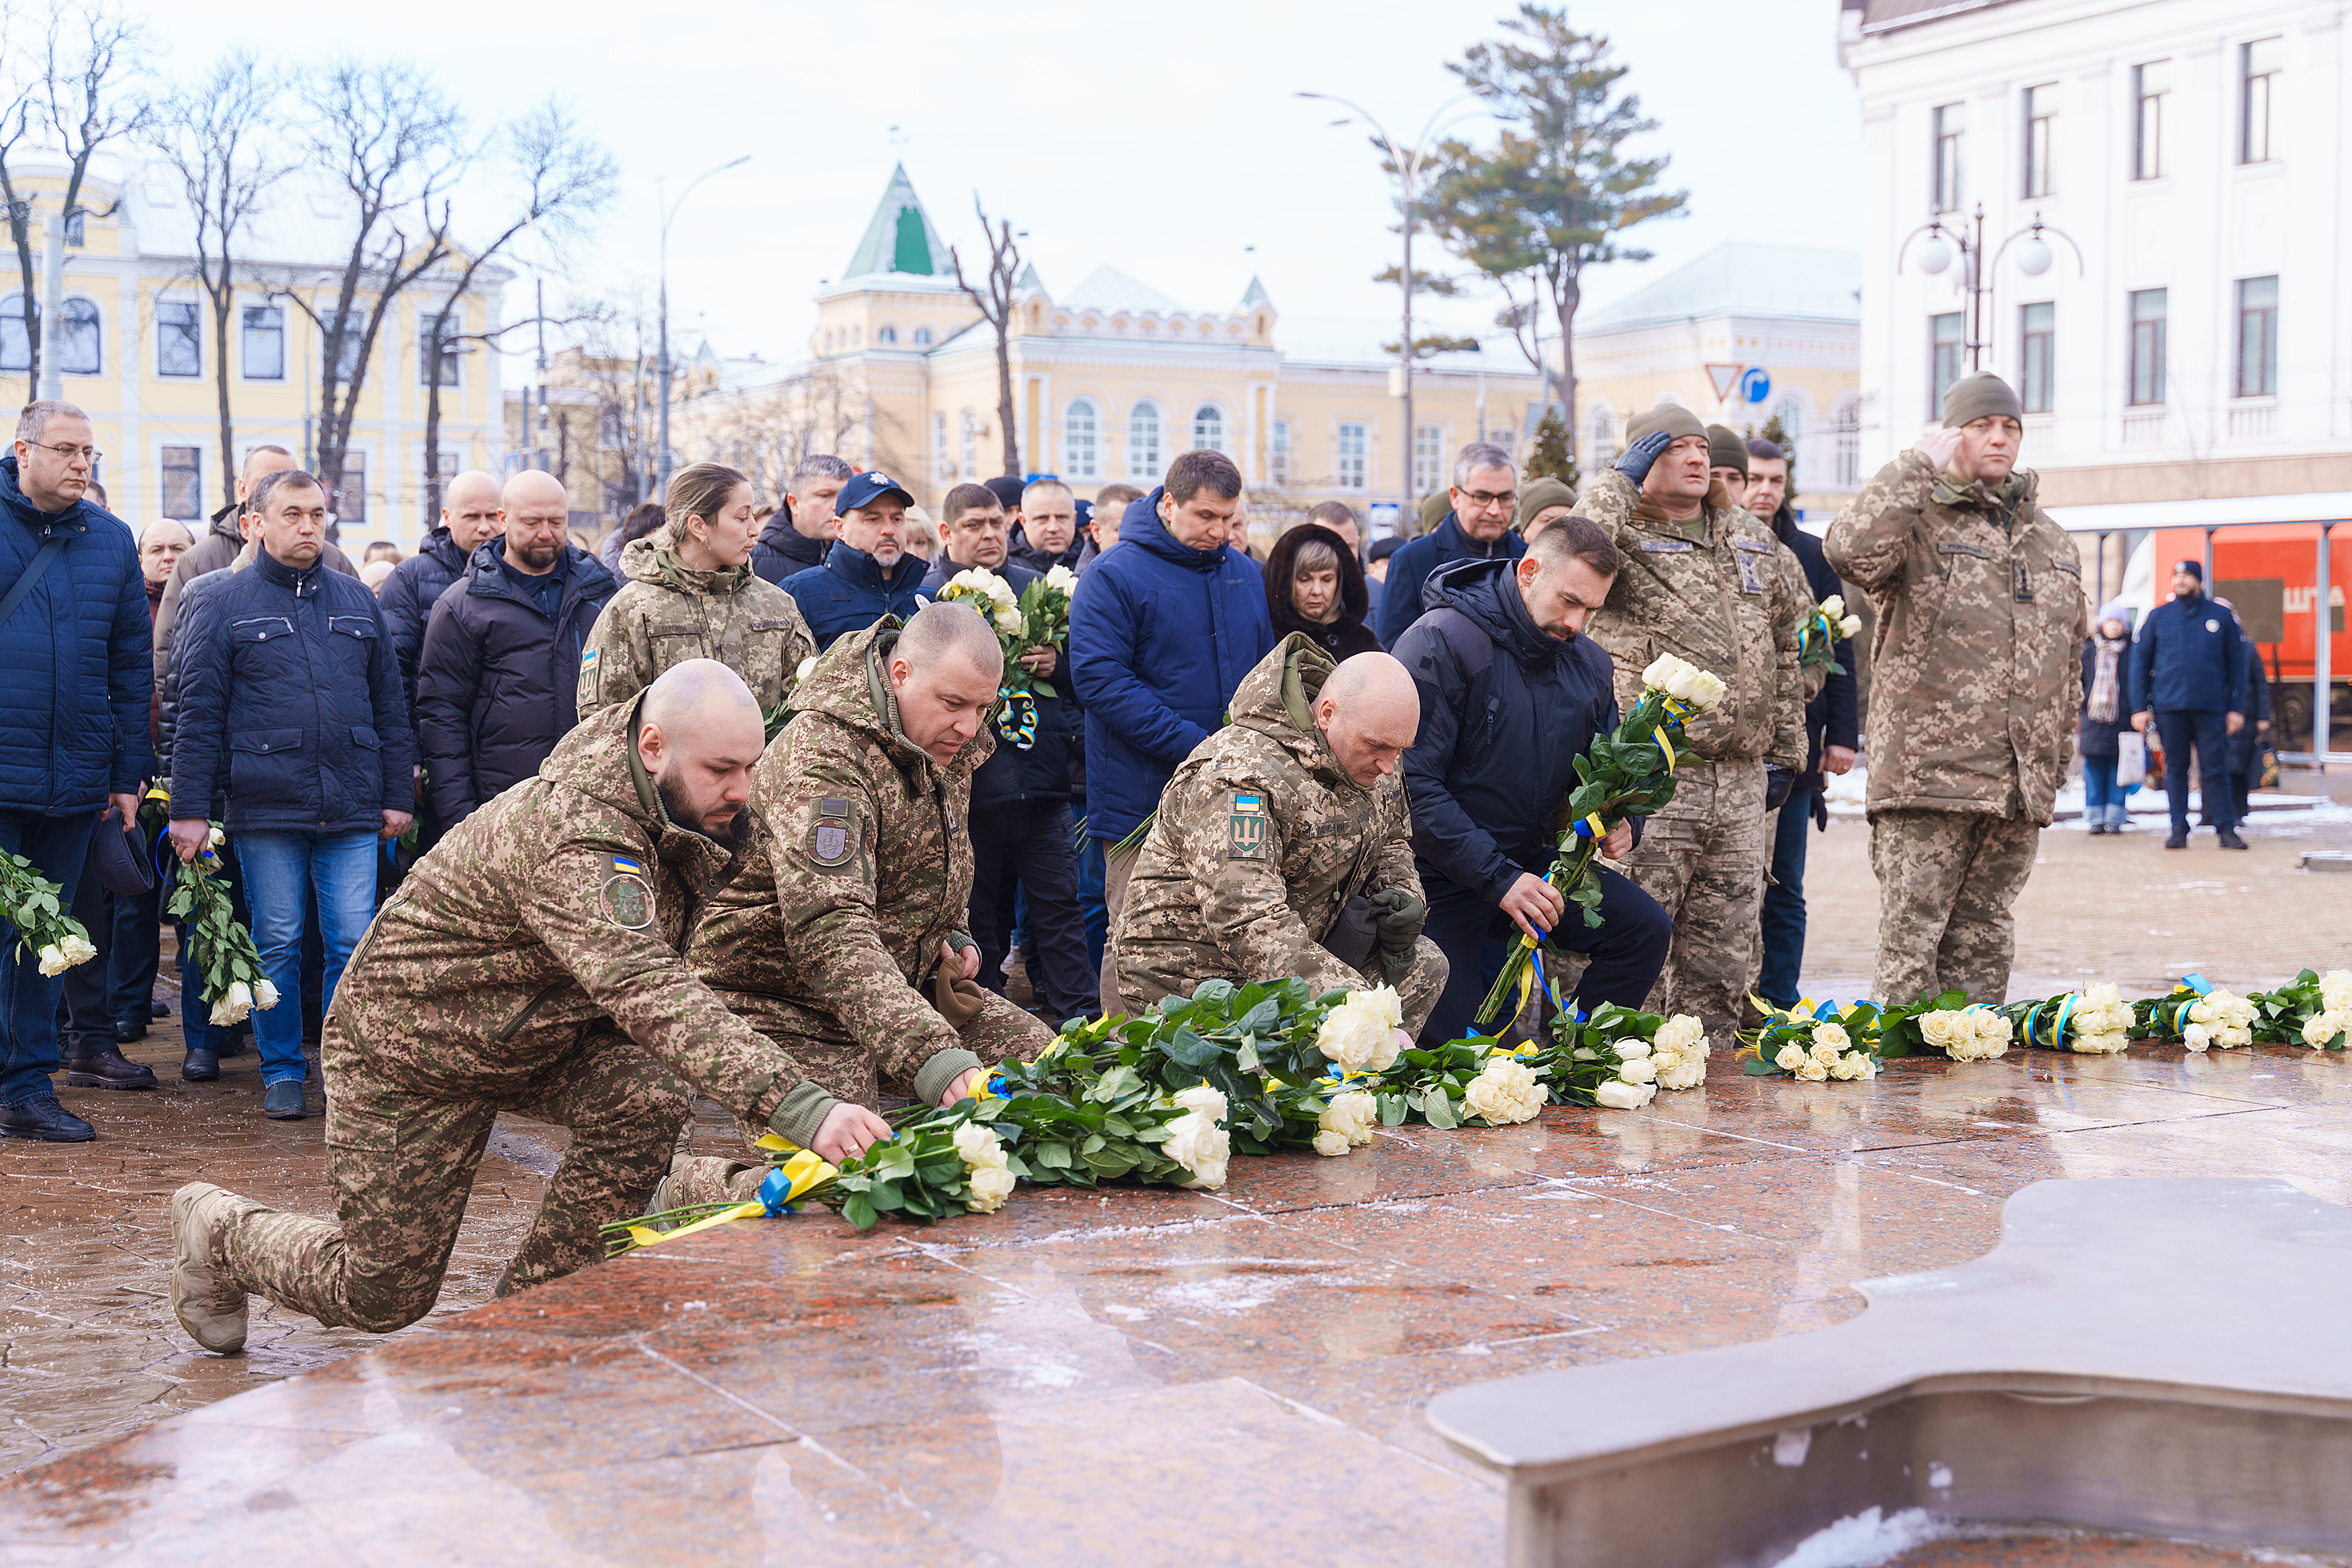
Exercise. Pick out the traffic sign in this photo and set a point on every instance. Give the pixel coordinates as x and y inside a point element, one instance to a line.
<point>1756,385</point>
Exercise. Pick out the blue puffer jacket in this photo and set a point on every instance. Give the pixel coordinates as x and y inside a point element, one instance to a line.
<point>2188,656</point>
<point>850,592</point>
<point>73,711</point>
<point>290,703</point>
<point>1416,559</point>
<point>1161,635</point>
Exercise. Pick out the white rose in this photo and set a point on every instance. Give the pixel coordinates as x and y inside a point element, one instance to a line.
<point>1661,674</point>
<point>991,1185</point>
<point>1358,1034</point>
<point>1506,1091</point>
<point>265,996</point>
<point>77,950</point>
<point>1708,690</point>
<point>1992,1032</point>
<point>1834,607</point>
<point>1833,1035</point>
<point>52,961</point>
<point>1790,1059</point>
<point>1681,1070</point>
<point>1351,1116</point>
<point>1682,1032</point>
<point>2103,1044</point>
<point>1202,1147</point>
<point>1331,1144</point>
<point>1850,626</point>
<point>1813,1070</point>
<point>1385,1001</point>
<point>2335,990</point>
<point>1061,577</point>
<point>216,838</point>
<point>1641,1070</point>
<point>802,673</point>
<point>235,1006</point>
<point>2196,1036</point>
<point>1209,1102</point>
<point>1826,1053</point>
<point>1619,1095</point>
<point>1851,1065</point>
<point>1943,1029</point>
<point>979,1145</point>
<point>2104,995</point>
<point>2323,1028</point>
<point>1633,1048</point>
<point>1866,1064</point>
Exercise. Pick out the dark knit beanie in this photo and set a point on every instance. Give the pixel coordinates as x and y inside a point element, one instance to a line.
<point>1672,418</point>
<point>1724,450</point>
<point>1540,494</point>
<point>1975,397</point>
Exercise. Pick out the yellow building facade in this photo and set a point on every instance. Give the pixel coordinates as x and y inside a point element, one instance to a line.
<point>137,344</point>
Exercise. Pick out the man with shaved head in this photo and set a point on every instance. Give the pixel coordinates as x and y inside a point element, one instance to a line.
<point>497,678</point>
<point>529,963</point>
<point>1282,844</point>
<point>470,516</point>
<point>842,941</point>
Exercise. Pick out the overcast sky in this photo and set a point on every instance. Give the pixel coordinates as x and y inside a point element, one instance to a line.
<point>1161,142</point>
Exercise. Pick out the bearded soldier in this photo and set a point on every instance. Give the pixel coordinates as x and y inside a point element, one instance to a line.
<point>1707,582</point>
<point>842,938</point>
<point>1974,689</point>
<point>529,963</point>
<point>1283,846</point>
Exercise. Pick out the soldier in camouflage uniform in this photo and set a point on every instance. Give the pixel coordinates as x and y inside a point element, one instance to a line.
<point>843,937</point>
<point>1974,683</point>
<point>530,963</point>
<point>1273,828</point>
<point>1720,590</point>
<point>689,592</point>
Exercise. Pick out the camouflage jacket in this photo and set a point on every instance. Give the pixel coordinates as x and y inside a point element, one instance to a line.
<point>864,868</point>
<point>1733,606</point>
<point>1260,840</point>
<point>1975,675</point>
<point>667,614</point>
<point>555,912</point>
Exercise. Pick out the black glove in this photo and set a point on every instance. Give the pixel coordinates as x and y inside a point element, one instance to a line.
<point>1634,461</point>
<point>1398,917</point>
<point>1777,782</point>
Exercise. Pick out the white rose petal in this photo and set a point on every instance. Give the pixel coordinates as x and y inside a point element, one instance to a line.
<point>1641,1070</point>
<point>265,996</point>
<point>2196,1036</point>
<point>1682,1032</point>
<point>1331,1144</point>
<point>1833,1035</point>
<point>1196,1142</point>
<point>216,838</point>
<point>1209,1102</point>
<point>991,1185</point>
<point>1633,1048</point>
<point>979,1145</point>
<point>1790,1057</point>
<point>52,961</point>
<point>1618,1095</point>
<point>2335,990</point>
<point>1506,1091</point>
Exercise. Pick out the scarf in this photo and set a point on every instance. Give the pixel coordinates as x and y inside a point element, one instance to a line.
<point>2105,700</point>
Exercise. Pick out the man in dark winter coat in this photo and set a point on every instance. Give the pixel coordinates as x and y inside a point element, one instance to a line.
<point>1510,695</point>
<point>75,680</point>
<point>1831,738</point>
<point>868,571</point>
<point>805,527</point>
<point>500,667</point>
<point>2189,677</point>
<point>1162,629</point>
<point>221,543</point>
<point>470,516</point>
<point>1048,533</point>
<point>1486,496</point>
<point>291,706</point>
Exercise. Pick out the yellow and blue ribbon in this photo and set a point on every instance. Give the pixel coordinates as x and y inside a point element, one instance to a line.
<point>797,1175</point>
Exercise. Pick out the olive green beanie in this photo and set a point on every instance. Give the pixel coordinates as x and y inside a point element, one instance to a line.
<point>1541,494</point>
<point>1726,450</point>
<point>1975,397</point>
<point>1672,418</point>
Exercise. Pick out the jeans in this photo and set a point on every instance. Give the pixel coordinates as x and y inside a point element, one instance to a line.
<point>1782,972</point>
<point>283,870</point>
<point>2103,798</point>
<point>57,845</point>
<point>2211,735</point>
<point>1090,894</point>
<point>1628,948</point>
<point>1031,840</point>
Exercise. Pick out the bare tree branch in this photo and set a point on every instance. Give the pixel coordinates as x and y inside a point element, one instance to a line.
<point>996,309</point>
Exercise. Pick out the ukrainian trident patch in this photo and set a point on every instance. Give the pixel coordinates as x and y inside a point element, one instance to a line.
<point>828,840</point>
<point>1245,828</point>
<point>627,901</point>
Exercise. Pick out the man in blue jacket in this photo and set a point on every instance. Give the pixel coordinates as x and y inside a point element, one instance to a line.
<point>1510,695</point>
<point>76,672</point>
<point>1486,497</point>
<point>291,706</point>
<point>867,574</point>
<point>1161,631</point>
<point>2187,666</point>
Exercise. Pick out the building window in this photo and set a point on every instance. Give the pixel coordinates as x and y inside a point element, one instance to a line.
<point>1947,336</point>
<point>15,343</point>
<point>1143,442</point>
<point>922,337</point>
<point>347,348</point>
<point>1428,457</point>
<point>1353,445</point>
<point>1079,440</point>
<point>2041,124</point>
<point>887,335</point>
<point>1208,428</point>
<point>942,465</point>
<point>184,482</point>
<point>2148,313</point>
<point>1281,451</point>
<point>1604,436</point>
<point>1846,429</point>
<point>350,499</point>
<point>2257,337</point>
<point>1951,124</point>
<point>2038,342</point>
<point>262,342</point>
<point>77,347</point>
<point>179,338</point>
<point>452,323</point>
<point>970,446</point>
<point>2151,85</point>
<point>2258,73</point>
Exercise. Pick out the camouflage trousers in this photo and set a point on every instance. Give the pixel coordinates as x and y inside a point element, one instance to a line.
<point>1137,981</point>
<point>1703,858</point>
<point>402,1165</point>
<point>1945,882</point>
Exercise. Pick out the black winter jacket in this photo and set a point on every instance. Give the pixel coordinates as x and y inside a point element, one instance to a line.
<point>2188,656</point>
<point>289,703</point>
<point>1830,719</point>
<point>783,549</point>
<point>1346,635</point>
<point>2092,738</point>
<point>1024,554</point>
<point>408,596</point>
<point>1012,776</point>
<point>1498,740</point>
<point>496,681</point>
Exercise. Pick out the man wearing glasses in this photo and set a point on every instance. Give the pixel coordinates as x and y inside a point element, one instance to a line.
<point>1485,495</point>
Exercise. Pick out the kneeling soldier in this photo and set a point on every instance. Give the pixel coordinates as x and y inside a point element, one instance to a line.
<point>512,972</point>
<point>1283,846</point>
<point>853,907</point>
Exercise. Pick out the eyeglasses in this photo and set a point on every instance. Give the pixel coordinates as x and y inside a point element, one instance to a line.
<point>87,454</point>
<point>1481,501</point>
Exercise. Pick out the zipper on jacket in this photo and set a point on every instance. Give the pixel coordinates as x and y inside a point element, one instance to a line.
<point>514,1024</point>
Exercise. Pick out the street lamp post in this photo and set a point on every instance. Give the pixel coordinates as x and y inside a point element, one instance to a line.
<point>661,458</point>
<point>1409,161</point>
<point>1976,272</point>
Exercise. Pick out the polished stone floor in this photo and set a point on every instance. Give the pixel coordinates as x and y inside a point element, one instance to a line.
<point>1153,1376</point>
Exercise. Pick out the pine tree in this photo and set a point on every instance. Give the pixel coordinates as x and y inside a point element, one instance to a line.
<point>1549,458</point>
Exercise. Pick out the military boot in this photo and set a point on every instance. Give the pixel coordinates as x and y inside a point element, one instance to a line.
<point>211,1306</point>
<point>105,1066</point>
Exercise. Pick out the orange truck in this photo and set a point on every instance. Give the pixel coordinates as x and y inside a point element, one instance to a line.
<point>2270,575</point>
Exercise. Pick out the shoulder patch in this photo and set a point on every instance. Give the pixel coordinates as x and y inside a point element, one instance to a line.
<point>829,841</point>
<point>625,898</point>
<point>1246,827</point>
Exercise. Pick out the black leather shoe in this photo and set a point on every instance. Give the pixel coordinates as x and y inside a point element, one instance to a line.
<point>107,1069</point>
<point>201,1066</point>
<point>159,1009</point>
<point>43,1118</point>
<point>2178,841</point>
<point>128,1029</point>
<point>283,1102</point>
<point>2229,839</point>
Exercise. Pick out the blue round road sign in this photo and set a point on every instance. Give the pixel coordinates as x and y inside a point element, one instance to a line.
<point>1755,383</point>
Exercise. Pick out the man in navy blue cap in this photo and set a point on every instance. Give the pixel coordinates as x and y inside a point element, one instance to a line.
<point>868,572</point>
<point>2189,677</point>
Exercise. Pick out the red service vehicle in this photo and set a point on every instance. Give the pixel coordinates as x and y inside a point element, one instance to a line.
<point>2270,575</point>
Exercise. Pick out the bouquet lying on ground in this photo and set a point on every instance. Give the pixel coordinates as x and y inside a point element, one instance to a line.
<point>1813,1041</point>
<point>2198,1013</point>
<point>2312,1009</point>
<point>1828,625</point>
<point>36,907</point>
<point>2095,1021</point>
<point>1627,773</point>
<point>225,960</point>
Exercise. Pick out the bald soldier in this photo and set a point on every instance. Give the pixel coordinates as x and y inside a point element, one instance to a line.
<point>843,939</point>
<point>1283,846</point>
<point>529,963</point>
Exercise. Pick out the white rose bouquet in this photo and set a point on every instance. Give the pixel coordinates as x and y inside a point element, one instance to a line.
<point>1827,626</point>
<point>1629,771</point>
<point>1044,607</point>
<point>2198,1013</point>
<point>222,949</point>
<point>36,907</point>
<point>2312,1009</point>
<point>2094,1021</point>
<point>1813,1041</point>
